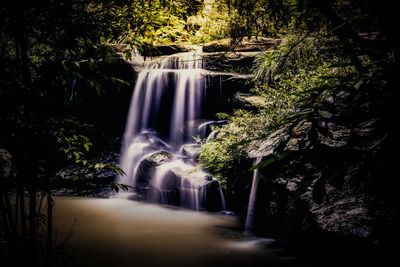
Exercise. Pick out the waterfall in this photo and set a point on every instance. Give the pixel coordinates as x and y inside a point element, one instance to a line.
<point>187,101</point>
<point>165,106</point>
<point>252,198</point>
<point>221,194</point>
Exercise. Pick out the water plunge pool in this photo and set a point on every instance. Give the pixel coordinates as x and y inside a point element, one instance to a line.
<point>119,232</point>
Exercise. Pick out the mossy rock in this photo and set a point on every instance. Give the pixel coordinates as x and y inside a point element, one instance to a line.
<point>247,101</point>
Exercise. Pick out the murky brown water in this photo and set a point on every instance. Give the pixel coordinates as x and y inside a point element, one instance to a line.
<point>118,232</point>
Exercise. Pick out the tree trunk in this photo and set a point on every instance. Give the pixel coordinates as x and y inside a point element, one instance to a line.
<point>5,221</point>
<point>32,226</point>
<point>49,223</point>
<point>12,225</point>
<point>25,247</point>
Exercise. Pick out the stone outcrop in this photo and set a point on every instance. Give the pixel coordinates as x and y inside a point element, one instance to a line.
<point>223,55</point>
<point>239,62</point>
<point>331,201</point>
<point>345,214</point>
<point>253,44</point>
<point>328,209</point>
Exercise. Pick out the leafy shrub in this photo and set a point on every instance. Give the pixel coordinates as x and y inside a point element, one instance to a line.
<point>291,78</point>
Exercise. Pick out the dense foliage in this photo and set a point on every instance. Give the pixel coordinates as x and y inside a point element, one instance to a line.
<point>53,55</point>
<point>328,101</point>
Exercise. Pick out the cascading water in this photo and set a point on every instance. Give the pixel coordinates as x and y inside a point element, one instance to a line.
<point>223,202</point>
<point>165,105</point>
<point>252,198</point>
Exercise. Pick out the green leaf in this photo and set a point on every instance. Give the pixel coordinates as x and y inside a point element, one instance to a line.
<point>325,114</point>
<point>114,80</point>
<point>77,155</point>
<point>116,186</point>
<point>269,161</point>
<point>99,165</point>
<point>116,169</point>
<point>86,146</point>
<point>98,89</point>
<point>263,164</point>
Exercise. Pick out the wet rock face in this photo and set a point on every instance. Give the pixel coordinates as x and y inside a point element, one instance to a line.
<point>325,192</point>
<point>146,170</point>
<point>321,208</point>
<point>336,212</point>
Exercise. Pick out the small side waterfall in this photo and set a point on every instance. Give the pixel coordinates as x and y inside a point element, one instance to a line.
<point>223,202</point>
<point>165,110</point>
<point>252,198</point>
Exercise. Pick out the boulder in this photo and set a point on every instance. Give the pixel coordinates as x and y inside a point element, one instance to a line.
<point>181,170</point>
<point>146,169</point>
<point>172,181</point>
<point>190,150</point>
<point>158,158</point>
<point>248,101</point>
<point>147,166</point>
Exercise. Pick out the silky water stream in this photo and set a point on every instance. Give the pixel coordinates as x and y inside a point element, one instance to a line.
<point>162,120</point>
<point>165,113</point>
